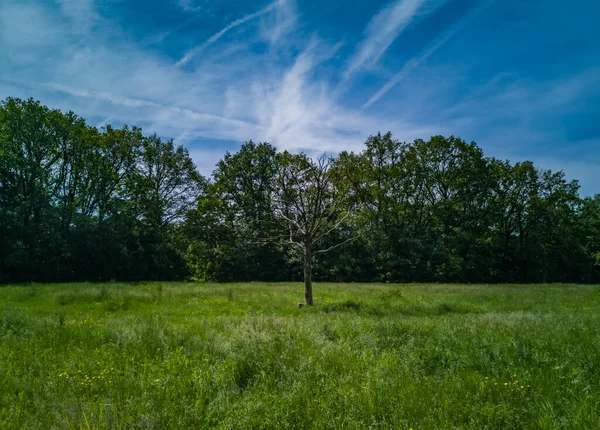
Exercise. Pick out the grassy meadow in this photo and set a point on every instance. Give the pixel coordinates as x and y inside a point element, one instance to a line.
<point>243,356</point>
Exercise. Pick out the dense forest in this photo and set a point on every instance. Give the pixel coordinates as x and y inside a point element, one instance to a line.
<point>81,203</point>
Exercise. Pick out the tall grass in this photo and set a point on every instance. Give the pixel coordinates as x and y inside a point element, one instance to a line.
<point>244,356</point>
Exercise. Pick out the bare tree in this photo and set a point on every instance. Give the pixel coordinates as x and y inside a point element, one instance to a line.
<point>311,206</point>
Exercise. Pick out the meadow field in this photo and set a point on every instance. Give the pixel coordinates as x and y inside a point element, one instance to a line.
<point>244,356</point>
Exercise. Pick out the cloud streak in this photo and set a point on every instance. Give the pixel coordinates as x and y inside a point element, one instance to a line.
<point>415,62</point>
<point>381,32</point>
<point>280,83</point>
<point>215,37</point>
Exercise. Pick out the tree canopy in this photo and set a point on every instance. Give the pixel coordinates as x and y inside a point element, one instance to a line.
<point>82,203</point>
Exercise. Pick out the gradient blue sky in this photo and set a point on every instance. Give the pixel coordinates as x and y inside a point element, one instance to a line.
<point>520,77</point>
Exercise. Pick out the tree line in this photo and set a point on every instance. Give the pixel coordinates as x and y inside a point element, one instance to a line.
<point>81,203</point>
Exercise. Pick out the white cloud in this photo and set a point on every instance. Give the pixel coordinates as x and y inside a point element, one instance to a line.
<point>81,13</point>
<point>525,100</point>
<point>190,5</point>
<point>280,96</point>
<point>300,114</point>
<point>232,95</point>
<point>215,37</point>
<point>565,91</point>
<point>415,62</point>
<point>381,31</point>
<point>277,25</point>
<point>170,119</point>
<point>297,114</point>
<point>23,26</point>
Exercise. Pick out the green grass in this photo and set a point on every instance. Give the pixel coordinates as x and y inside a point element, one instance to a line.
<point>177,355</point>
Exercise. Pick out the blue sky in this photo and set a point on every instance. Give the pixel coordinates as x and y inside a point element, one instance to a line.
<point>520,77</point>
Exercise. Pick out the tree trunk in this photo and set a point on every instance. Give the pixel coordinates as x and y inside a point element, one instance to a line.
<point>308,299</point>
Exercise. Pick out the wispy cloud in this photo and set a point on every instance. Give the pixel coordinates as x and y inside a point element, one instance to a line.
<point>277,25</point>
<point>300,114</point>
<point>231,95</point>
<point>26,26</point>
<point>195,51</point>
<point>160,114</point>
<point>81,12</point>
<point>381,31</point>
<point>280,82</point>
<point>524,100</point>
<point>415,62</point>
<point>189,5</point>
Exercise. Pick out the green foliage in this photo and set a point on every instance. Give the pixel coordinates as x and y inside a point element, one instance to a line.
<point>228,232</point>
<point>590,227</point>
<point>244,356</point>
<point>81,203</point>
<point>439,210</point>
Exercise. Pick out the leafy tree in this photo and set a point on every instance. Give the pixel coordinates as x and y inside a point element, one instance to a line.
<point>165,187</point>
<point>590,226</point>
<point>81,203</point>
<point>30,157</point>
<point>245,181</point>
<point>210,240</point>
<point>233,230</point>
<point>307,201</point>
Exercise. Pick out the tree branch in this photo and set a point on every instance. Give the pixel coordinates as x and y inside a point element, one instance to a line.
<point>322,251</point>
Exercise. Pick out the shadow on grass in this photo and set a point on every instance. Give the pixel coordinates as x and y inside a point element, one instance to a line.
<point>405,309</point>
<point>353,306</point>
<point>436,309</point>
